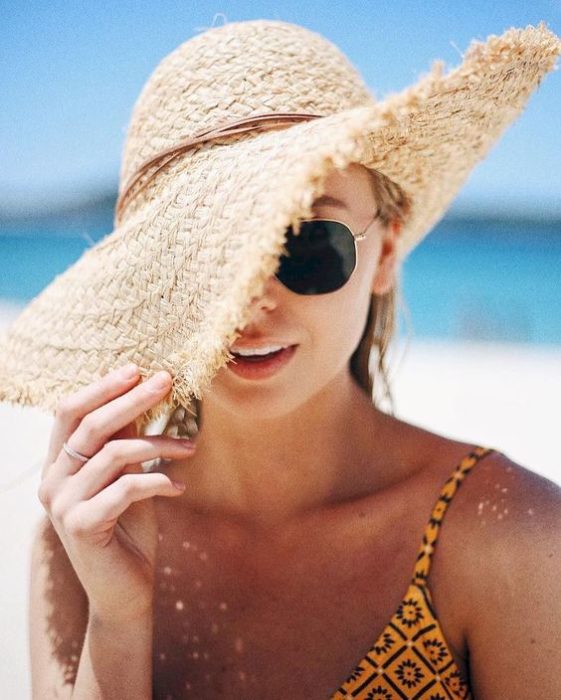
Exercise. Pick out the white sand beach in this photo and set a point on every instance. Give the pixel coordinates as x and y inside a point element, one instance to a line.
<point>502,396</point>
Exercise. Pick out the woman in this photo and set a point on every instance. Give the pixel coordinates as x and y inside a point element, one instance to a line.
<point>295,561</point>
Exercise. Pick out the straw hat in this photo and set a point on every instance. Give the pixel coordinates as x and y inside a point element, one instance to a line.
<point>230,142</point>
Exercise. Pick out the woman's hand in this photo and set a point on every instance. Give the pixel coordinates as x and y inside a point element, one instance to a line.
<point>103,510</point>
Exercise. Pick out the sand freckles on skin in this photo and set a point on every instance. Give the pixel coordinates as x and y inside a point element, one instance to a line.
<point>471,392</point>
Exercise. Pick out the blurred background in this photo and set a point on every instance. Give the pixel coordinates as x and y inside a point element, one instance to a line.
<point>478,356</point>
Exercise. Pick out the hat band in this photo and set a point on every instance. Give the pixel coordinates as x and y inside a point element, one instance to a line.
<point>257,122</point>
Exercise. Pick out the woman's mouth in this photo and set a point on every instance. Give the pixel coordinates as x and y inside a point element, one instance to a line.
<point>261,366</point>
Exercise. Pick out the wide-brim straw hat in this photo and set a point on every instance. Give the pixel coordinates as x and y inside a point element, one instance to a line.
<point>230,142</point>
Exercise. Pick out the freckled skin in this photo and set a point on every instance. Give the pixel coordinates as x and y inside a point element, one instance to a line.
<point>290,451</point>
<point>300,495</point>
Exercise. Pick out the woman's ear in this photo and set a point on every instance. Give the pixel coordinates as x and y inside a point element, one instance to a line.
<point>384,274</point>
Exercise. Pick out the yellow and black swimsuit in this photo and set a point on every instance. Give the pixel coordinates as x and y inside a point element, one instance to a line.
<point>411,660</point>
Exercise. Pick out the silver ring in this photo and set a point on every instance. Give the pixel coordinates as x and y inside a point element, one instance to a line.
<point>73,453</point>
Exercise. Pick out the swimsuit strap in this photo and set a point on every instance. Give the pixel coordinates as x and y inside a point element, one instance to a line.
<point>430,535</point>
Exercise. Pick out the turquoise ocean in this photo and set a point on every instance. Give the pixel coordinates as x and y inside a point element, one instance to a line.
<point>469,279</point>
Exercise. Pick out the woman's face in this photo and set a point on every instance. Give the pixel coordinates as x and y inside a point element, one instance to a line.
<point>326,328</point>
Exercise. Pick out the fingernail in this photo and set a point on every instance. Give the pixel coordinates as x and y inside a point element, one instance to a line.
<point>158,381</point>
<point>129,371</point>
<point>185,442</point>
<point>178,485</point>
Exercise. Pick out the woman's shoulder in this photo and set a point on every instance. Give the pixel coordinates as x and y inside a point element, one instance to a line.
<point>501,561</point>
<point>496,569</point>
<point>505,499</point>
<point>497,497</point>
<point>496,491</point>
<point>499,549</point>
<point>501,508</point>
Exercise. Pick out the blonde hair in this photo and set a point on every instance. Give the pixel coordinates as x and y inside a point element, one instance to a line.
<point>394,206</point>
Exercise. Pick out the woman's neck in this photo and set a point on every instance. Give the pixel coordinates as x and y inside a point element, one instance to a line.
<point>268,471</point>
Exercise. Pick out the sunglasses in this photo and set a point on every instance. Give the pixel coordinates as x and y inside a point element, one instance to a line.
<point>321,258</point>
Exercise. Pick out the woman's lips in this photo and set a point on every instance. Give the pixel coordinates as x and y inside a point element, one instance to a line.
<point>261,368</point>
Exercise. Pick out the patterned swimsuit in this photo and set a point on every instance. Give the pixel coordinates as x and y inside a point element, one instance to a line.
<point>411,660</point>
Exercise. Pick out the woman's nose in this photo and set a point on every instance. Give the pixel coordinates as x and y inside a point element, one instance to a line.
<point>270,296</point>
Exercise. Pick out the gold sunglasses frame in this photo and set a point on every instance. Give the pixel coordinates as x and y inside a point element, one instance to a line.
<point>356,236</point>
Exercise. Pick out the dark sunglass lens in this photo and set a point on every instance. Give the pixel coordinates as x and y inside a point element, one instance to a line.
<point>320,259</point>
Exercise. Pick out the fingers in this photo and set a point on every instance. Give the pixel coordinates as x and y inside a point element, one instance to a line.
<point>97,426</point>
<point>74,407</point>
<point>116,455</point>
<point>108,505</point>
<point>116,459</point>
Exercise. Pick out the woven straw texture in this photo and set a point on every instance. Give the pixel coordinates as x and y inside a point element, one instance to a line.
<point>169,287</point>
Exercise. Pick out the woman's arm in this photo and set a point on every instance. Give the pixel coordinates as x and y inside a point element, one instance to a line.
<point>107,564</point>
<point>514,628</point>
<point>116,661</point>
<point>57,616</point>
<point>73,652</point>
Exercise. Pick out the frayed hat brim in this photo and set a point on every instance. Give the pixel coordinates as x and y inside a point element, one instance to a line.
<point>170,286</point>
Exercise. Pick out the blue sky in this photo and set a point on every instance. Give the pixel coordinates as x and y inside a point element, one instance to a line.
<point>71,72</point>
